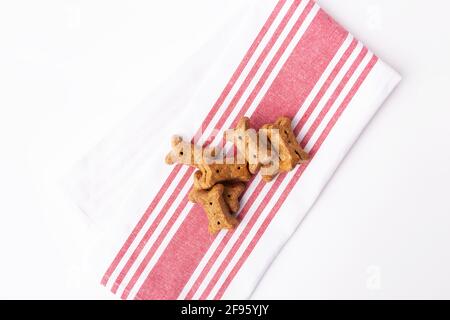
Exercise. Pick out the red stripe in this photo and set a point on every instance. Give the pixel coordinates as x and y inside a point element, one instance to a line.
<point>140,224</point>
<point>325,87</point>
<point>205,123</point>
<point>337,92</point>
<point>150,231</point>
<point>270,195</point>
<point>221,122</point>
<point>261,59</point>
<point>241,66</point>
<point>199,215</point>
<point>245,209</point>
<point>219,249</point>
<point>193,249</point>
<point>245,107</point>
<point>155,246</point>
<point>270,68</point>
<point>259,85</point>
<point>296,177</point>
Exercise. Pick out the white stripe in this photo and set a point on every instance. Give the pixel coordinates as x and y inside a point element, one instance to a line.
<point>251,63</point>
<point>339,100</point>
<point>146,226</point>
<point>148,268</point>
<point>250,236</point>
<point>315,91</point>
<point>337,57</point>
<point>235,236</point>
<point>250,190</point>
<point>151,241</point>
<point>263,43</point>
<point>287,53</point>
<point>300,31</point>
<point>262,69</point>
<point>285,182</point>
<point>202,265</point>
<point>331,90</point>
<point>267,187</point>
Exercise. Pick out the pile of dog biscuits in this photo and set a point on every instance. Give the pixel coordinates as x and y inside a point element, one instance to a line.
<point>219,183</point>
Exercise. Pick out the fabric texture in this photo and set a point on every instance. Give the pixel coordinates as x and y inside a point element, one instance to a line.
<point>280,58</point>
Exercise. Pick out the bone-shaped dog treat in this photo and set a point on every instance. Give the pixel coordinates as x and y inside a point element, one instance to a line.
<point>270,171</point>
<point>249,145</point>
<point>232,192</point>
<point>271,168</point>
<point>210,174</point>
<point>215,206</point>
<point>187,153</point>
<point>284,141</point>
<point>218,186</point>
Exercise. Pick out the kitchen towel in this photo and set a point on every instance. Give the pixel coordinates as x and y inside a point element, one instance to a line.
<point>281,57</point>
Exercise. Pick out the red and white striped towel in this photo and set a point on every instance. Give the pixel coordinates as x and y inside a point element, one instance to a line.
<point>288,58</point>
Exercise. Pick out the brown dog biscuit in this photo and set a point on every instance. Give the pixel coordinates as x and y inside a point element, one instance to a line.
<point>269,174</point>
<point>213,173</point>
<point>270,169</point>
<point>284,141</point>
<point>187,153</point>
<point>216,208</point>
<point>246,141</point>
<point>232,193</point>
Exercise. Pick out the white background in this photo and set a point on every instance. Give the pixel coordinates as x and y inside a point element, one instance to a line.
<point>70,70</point>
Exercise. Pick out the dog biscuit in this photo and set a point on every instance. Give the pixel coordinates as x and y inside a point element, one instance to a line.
<point>187,153</point>
<point>285,143</point>
<point>213,173</point>
<point>216,208</point>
